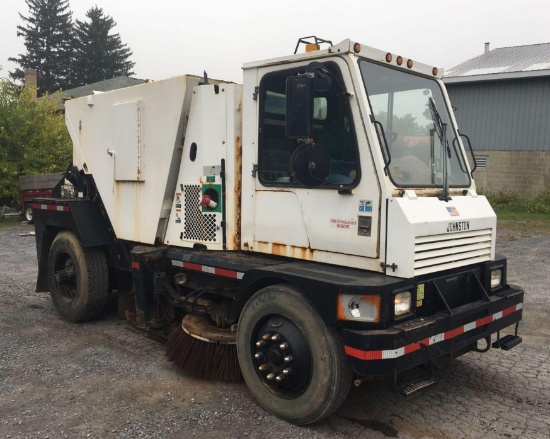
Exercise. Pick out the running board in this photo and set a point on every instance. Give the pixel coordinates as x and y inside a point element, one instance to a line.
<point>407,389</point>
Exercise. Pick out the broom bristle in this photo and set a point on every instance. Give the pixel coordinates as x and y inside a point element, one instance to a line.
<point>202,358</point>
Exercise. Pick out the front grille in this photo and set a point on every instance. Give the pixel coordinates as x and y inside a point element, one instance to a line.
<point>441,252</point>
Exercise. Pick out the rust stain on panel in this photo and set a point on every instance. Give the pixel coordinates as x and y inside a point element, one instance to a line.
<point>237,190</point>
<point>285,250</point>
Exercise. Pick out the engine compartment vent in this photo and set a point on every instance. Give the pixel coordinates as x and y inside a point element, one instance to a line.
<point>441,252</point>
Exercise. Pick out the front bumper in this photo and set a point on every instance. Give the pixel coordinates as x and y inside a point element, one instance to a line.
<point>409,344</point>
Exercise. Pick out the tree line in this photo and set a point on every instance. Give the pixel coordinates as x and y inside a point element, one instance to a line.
<point>67,53</point>
<point>33,138</point>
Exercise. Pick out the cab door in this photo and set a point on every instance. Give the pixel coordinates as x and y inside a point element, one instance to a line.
<point>328,219</point>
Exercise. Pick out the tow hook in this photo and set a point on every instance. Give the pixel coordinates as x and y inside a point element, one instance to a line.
<point>476,348</point>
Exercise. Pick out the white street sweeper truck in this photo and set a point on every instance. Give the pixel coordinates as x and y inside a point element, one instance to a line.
<point>316,226</point>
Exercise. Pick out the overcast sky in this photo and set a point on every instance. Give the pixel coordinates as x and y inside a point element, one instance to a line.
<point>172,37</point>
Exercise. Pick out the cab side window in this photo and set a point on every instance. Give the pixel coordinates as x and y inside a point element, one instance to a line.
<point>333,131</point>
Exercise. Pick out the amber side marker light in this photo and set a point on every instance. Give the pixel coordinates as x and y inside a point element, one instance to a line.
<point>312,47</point>
<point>388,57</point>
<point>357,48</point>
<point>399,60</point>
<point>409,64</point>
<point>435,71</point>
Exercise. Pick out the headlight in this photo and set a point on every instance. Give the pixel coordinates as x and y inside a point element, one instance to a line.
<point>402,303</point>
<point>496,278</point>
<point>358,308</point>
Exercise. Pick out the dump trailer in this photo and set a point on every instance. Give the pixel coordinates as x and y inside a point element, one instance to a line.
<point>314,227</point>
<point>35,186</point>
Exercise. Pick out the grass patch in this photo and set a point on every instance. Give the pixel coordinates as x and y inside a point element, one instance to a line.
<point>9,222</point>
<point>526,214</point>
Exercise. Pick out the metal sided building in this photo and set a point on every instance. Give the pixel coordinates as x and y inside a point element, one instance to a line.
<point>502,102</point>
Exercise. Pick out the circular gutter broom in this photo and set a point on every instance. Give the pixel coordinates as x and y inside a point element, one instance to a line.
<point>203,350</point>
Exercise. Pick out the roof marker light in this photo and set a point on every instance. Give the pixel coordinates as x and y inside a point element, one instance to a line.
<point>388,57</point>
<point>399,60</point>
<point>435,71</point>
<point>312,47</point>
<point>409,63</point>
<point>357,47</point>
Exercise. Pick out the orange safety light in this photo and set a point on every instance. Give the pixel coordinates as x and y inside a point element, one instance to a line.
<point>409,63</point>
<point>435,71</point>
<point>357,47</point>
<point>399,60</point>
<point>312,47</point>
<point>388,57</point>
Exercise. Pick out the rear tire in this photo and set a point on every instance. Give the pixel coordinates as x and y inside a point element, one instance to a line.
<point>28,213</point>
<point>301,374</point>
<point>78,279</point>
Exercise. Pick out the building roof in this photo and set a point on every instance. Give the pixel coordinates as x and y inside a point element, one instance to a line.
<point>106,85</point>
<point>503,63</point>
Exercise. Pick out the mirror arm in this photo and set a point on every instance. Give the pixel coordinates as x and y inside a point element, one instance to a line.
<point>327,72</point>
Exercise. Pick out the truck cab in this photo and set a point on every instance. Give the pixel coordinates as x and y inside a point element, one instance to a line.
<point>398,195</point>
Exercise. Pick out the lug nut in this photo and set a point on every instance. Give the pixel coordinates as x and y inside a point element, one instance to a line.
<point>283,345</point>
<point>287,359</point>
<point>260,343</point>
<point>266,336</point>
<point>279,378</point>
<point>258,355</point>
<point>262,368</point>
<point>275,337</point>
<point>270,376</point>
<point>287,371</point>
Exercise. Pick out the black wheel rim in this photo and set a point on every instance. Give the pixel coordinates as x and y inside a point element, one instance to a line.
<point>65,277</point>
<point>281,356</point>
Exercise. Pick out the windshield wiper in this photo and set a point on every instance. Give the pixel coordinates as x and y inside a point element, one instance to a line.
<point>441,129</point>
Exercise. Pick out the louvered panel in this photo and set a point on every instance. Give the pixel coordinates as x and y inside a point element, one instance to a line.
<point>456,264</point>
<point>452,236</point>
<point>457,242</point>
<point>458,251</point>
<point>440,252</point>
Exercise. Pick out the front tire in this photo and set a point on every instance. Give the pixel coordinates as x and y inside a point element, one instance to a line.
<point>294,365</point>
<point>78,279</point>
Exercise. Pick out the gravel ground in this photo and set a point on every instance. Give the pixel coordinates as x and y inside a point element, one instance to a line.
<point>103,380</point>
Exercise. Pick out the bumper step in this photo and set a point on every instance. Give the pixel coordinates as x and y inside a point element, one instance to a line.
<point>407,389</point>
<point>507,342</point>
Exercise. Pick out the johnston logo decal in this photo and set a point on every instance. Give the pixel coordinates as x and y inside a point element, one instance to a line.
<point>459,226</point>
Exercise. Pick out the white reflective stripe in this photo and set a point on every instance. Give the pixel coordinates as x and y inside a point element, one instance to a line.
<point>519,306</point>
<point>497,315</point>
<point>210,270</point>
<point>177,263</point>
<point>44,206</point>
<point>469,326</point>
<point>436,338</point>
<point>386,355</point>
<point>239,275</point>
<point>60,208</point>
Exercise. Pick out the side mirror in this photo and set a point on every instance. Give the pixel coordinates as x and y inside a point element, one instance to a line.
<point>299,107</point>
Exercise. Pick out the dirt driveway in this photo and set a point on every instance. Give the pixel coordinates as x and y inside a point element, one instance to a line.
<point>103,380</point>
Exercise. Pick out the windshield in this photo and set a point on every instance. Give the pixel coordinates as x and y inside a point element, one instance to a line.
<point>414,129</point>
